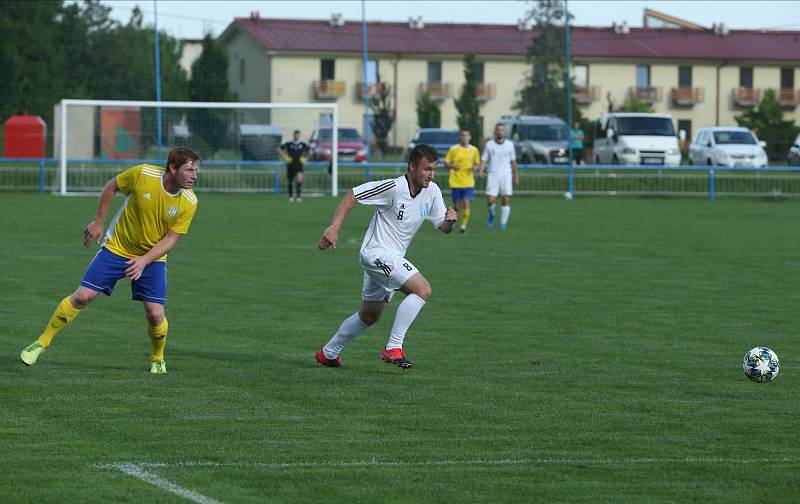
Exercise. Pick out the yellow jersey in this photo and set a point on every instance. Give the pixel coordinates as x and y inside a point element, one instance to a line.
<point>148,212</point>
<point>465,159</point>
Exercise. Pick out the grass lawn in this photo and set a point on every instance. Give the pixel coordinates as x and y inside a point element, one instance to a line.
<point>591,353</point>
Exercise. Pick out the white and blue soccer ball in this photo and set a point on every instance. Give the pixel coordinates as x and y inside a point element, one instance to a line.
<point>761,364</point>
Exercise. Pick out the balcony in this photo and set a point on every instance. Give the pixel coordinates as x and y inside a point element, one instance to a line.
<point>788,97</point>
<point>437,90</point>
<point>585,95</point>
<point>329,89</point>
<point>688,96</point>
<point>747,97</point>
<point>484,92</point>
<point>648,95</point>
<point>374,89</point>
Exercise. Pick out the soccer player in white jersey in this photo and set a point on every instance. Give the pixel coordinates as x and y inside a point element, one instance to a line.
<point>502,158</point>
<point>402,205</point>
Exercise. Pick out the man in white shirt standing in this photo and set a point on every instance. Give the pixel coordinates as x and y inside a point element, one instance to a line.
<point>502,158</point>
<point>402,205</point>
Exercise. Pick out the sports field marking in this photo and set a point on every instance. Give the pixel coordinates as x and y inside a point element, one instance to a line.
<point>139,470</point>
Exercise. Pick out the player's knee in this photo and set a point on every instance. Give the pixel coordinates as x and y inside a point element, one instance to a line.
<point>369,318</point>
<point>154,314</point>
<point>424,290</point>
<point>81,298</point>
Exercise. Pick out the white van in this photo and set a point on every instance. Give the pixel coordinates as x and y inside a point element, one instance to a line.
<point>630,138</point>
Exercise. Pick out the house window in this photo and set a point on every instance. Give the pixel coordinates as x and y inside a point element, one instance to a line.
<point>746,77</point>
<point>435,72</point>
<point>477,70</point>
<point>540,72</point>
<point>787,78</point>
<point>327,69</point>
<point>582,75</point>
<point>241,70</point>
<point>642,76</point>
<point>684,77</point>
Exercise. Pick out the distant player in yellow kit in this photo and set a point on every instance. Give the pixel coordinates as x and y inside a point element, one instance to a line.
<point>463,159</point>
<point>157,211</point>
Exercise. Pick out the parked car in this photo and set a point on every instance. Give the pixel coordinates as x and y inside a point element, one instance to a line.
<point>794,152</point>
<point>538,139</point>
<point>351,145</point>
<point>440,139</point>
<point>727,146</point>
<point>628,138</point>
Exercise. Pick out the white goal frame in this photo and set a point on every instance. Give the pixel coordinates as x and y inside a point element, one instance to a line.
<point>66,103</point>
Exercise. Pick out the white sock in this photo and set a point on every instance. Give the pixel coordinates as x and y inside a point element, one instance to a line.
<point>406,313</point>
<point>491,209</point>
<point>505,211</point>
<point>350,328</point>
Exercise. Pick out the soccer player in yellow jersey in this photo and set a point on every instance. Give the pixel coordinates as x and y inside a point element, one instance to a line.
<point>462,159</point>
<point>157,211</point>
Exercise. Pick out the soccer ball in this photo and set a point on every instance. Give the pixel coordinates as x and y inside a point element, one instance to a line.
<point>761,364</point>
<point>568,196</point>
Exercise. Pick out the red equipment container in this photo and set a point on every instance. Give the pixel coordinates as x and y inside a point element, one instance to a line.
<point>24,137</point>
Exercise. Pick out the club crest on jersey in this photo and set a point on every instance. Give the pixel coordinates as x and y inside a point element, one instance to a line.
<point>424,210</point>
<point>172,212</point>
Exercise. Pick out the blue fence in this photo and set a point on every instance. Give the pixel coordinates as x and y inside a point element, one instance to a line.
<point>42,175</point>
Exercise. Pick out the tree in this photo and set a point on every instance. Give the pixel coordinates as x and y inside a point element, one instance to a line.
<point>767,122</point>
<point>469,115</point>
<point>429,111</point>
<point>30,58</point>
<point>544,91</point>
<point>52,50</point>
<point>380,105</point>
<point>209,82</point>
<point>634,104</point>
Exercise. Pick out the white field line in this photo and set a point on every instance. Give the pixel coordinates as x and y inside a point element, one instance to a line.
<point>139,470</point>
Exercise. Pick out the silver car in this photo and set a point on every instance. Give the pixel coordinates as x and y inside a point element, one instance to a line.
<point>727,146</point>
<point>538,139</point>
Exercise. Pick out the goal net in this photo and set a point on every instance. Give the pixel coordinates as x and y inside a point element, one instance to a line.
<point>96,139</point>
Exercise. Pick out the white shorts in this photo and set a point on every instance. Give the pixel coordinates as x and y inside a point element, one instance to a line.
<point>499,183</point>
<point>384,273</point>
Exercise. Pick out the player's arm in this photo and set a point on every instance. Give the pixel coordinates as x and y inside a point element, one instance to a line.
<point>94,230</point>
<point>449,160</point>
<point>331,234</point>
<point>305,155</point>
<point>282,154</point>
<point>449,220</point>
<point>484,158</point>
<point>136,265</point>
<point>515,169</point>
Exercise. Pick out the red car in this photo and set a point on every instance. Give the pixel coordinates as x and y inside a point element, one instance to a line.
<point>351,145</point>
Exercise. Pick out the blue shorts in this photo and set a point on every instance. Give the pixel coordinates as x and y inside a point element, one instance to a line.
<point>106,268</point>
<point>465,193</point>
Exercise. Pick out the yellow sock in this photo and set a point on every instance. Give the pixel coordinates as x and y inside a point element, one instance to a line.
<point>158,337</point>
<point>465,217</point>
<point>63,315</point>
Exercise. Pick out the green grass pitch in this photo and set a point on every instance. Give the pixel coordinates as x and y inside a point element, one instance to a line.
<point>591,353</point>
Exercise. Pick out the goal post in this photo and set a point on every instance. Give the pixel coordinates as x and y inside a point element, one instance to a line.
<point>236,140</point>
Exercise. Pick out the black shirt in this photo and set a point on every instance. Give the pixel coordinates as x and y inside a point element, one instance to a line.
<point>295,150</point>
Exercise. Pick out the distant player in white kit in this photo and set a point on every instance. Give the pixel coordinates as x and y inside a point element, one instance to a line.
<point>502,158</point>
<point>403,204</point>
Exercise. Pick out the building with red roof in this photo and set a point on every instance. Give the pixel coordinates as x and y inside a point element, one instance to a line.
<point>702,76</point>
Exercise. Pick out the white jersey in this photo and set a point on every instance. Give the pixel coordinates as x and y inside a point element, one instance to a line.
<point>499,155</point>
<point>399,215</point>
